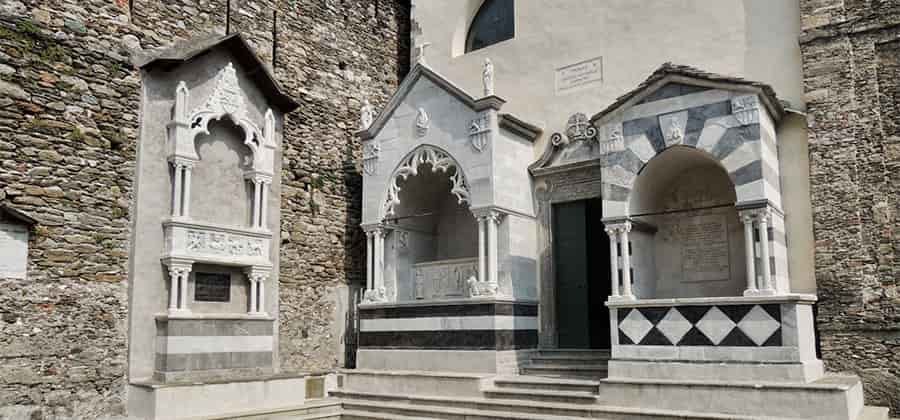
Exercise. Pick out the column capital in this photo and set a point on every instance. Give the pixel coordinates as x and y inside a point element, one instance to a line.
<point>258,177</point>
<point>178,264</point>
<point>258,272</point>
<point>372,229</point>
<point>182,161</point>
<point>619,226</point>
<point>488,213</point>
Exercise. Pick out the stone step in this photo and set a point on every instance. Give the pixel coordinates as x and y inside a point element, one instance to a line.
<point>560,359</point>
<point>874,413</point>
<point>573,353</point>
<point>568,397</point>
<point>497,409</point>
<point>833,397</point>
<point>324,409</point>
<point>544,383</point>
<point>565,371</point>
<point>368,415</point>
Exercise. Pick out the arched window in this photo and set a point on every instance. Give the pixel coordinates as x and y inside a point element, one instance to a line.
<point>494,22</point>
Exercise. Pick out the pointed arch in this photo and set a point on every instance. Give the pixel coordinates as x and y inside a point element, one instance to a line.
<point>439,160</point>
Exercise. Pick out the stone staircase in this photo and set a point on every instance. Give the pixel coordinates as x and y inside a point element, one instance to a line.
<point>484,397</point>
<point>561,363</point>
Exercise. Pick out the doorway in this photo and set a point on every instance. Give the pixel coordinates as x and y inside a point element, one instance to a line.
<point>581,261</point>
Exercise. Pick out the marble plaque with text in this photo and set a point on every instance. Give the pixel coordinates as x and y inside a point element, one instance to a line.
<point>704,251</point>
<point>581,75</point>
<point>13,251</point>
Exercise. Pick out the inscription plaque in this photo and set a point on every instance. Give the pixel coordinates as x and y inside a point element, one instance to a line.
<point>704,252</point>
<point>212,287</point>
<point>13,251</point>
<point>578,76</point>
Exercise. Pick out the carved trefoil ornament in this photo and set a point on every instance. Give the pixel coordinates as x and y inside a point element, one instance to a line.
<point>423,122</point>
<point>479,132</point>
<point>673,126</point>
<point>439,161</point>
<point>371,150</point>
<point>745,109</point>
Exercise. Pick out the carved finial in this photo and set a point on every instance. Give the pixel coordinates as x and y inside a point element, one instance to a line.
<point>366,115</point>
<point>487,77</point>
<point>420,52</point>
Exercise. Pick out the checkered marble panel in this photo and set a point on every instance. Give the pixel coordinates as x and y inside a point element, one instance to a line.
<point>714,325</point>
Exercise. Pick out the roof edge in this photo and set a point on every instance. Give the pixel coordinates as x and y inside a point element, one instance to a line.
<point>423,70</point>
<point>187,50</point>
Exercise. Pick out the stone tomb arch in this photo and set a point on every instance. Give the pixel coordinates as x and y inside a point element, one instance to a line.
<point>686,225</point>
<point>432,235</point>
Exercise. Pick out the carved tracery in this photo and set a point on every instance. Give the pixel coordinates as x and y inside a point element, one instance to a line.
<point>409,166</point>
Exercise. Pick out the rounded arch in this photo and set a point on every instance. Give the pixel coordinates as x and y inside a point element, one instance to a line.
<point>653,185</point>
<point>440,160</point>
<point>494,22</point>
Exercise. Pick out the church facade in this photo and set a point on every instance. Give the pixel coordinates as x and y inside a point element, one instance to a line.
<point>560,209</point>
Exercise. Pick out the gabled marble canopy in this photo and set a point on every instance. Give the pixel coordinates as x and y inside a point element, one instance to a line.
<point>730,119</point>
<point>429,116</point>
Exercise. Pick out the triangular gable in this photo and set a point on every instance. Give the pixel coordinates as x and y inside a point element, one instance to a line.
<point>683,79</point>
<point>668,81</point>
<point>419,71</point>
<point>236,45</point>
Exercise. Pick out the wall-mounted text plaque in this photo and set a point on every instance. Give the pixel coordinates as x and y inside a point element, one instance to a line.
<point>212,287</point>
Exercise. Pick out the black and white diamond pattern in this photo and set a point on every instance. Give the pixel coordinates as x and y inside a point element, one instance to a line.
<point>721,325</point>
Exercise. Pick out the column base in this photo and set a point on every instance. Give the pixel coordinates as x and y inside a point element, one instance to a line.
<point>258,314</point>
<point>179,312</point>
<point>760,292</point>
<point>482,288</point>
<point>621,298</point>
<point>375,296</point>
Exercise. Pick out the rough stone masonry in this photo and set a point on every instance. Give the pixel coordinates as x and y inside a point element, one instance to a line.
<point>68,128</point>
<point>851,63</point>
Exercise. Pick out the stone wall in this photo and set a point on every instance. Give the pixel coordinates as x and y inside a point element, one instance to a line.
<point>851,60</point>
<point>68,128</point>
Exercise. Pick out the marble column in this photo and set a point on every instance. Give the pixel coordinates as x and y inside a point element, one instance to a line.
<point>624,229</point>
<point>482,261</point>
<point>370,259</point>
<point>183,290</point>
<point>186,190</point>
<point>765,264</point>
<point>176,190</point>
<point>493,221</point>
<point>252,296</point>
<point>614,260</point>
<point>749,253</point>
<point>263,205</point>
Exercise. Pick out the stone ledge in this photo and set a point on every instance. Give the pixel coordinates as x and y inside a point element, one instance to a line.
<point>725,300</point>
<point>153,384</point>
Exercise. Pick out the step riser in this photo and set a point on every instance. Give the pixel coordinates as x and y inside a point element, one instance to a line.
<point>768,401</point>
<point>574,353</point>
<point>547,387</point>
<point>550,373</point>
<point>542,398</point>
<point>434,413</point>
<point>568,361</point>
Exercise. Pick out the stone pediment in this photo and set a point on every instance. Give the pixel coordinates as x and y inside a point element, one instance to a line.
<point>421,71</point>
<point>671,107</point>
<point>237,46</point>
